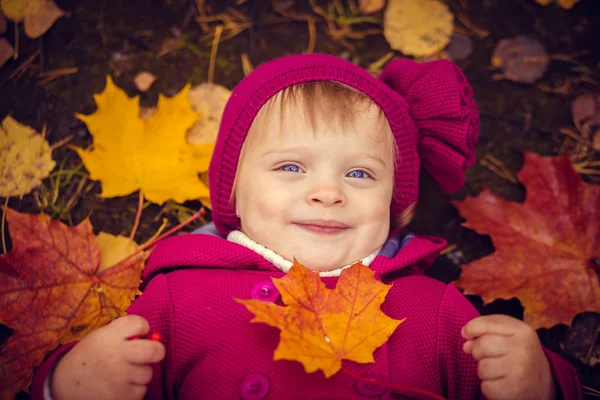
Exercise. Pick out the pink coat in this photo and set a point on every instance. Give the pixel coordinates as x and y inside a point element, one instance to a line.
<point>214,352</point>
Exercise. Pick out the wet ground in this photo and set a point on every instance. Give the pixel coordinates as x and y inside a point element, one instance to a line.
<point>122,38</point>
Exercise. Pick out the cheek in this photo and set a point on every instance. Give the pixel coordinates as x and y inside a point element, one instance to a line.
<point>264,200</point>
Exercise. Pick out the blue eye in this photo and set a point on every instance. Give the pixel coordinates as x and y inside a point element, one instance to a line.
<point>358,174</point>
<point>290,168</point>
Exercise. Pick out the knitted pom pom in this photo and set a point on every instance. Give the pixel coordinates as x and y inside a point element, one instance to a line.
<point>441,104</point>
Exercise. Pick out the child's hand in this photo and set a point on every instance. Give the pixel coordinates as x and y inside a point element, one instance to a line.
<point>510,361</point>
<point>107,365</point>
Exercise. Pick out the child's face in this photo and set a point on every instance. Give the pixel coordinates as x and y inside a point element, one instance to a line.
<point>293,181</point>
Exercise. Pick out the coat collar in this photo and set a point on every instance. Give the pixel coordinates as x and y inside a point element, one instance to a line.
<point>208,251</point>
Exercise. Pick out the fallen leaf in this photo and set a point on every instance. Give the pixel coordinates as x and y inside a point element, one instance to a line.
<point>282,5</point>
<point>209,101</point>
<point>545,247</point>
<point>37,15</point>
<point>144,80</point>
<point>151,155</point>
<point>460,47</point>
<point>582,340</point>
<point>37,23</point>
<point>521,59</point>
<point>25,158</point>
<point>370,6</point>
<point>55,288</point>
<point>6,51</point>
<point>586,115</point>
<point>566,4</point>
<point>320,327</point>
<point>419,28</point>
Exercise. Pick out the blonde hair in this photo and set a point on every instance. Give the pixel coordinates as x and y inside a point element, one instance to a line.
<point>329,101</point>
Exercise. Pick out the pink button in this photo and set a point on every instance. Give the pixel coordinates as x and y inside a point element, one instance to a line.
<point>368,389</point>
<point>254,387</point>
<point>265,291</point>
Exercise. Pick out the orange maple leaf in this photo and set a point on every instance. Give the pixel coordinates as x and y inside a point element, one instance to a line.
<point>320,326</point>
<point>545,247</point>
<point>54,289</point>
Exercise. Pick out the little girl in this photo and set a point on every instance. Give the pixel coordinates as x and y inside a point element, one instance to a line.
<point>315,160</point>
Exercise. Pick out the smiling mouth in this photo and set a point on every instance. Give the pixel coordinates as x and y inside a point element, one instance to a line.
<point>322,230</point>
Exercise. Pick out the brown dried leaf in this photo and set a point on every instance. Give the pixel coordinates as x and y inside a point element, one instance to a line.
<point>144,80</point>
<point>38,22</point>
<point>580,339</point>
<point>521,59</point>
<point>586,116</point>
<point>370,6</point>
<point>460,47</point>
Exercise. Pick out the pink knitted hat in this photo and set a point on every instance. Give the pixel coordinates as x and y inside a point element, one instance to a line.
<point>429,107</point>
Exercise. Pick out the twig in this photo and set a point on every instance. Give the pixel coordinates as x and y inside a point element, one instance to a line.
<point>591,349</point>
<point>570,56</point>
<point>376,66</point>
<point>138,215</point>
<point>590,391</point>
<point>312,36</point>
<point>246,64</point>
<point>57,73</point>
<point>480,32</point>
<point>213,54</point>
<point>2,225</point>
<point>571,134</point>
<point>498,167</point>
<point>60,142</point>
<point>151,243</point>
<point>24,65</point>
<point>73,198</point>
<point>448,249</point>
<point>16,53</point>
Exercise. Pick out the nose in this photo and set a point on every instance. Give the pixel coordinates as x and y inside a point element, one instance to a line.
<point>327,194</point>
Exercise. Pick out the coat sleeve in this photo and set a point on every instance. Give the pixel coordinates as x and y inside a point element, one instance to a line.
<point>154,305</point>
<point>458,369</point>
<point>565,377</point>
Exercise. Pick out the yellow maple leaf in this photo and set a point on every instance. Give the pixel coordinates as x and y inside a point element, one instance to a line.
<point>25,158</point>
<point>56,284</point>
<point>320,326</point>
<point>37,15</point>
<point>151,155</point>
<point>566,4</point>
<point>417,27</point>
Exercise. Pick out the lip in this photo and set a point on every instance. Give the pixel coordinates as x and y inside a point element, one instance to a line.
<point>327,227</point>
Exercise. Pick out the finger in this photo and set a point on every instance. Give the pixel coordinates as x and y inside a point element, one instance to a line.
<point>143,351</point>
<point>489,346</point>
<point>141,375</point>
<point>492,368</point>
<point>496,324</point>
<point>130,325</point>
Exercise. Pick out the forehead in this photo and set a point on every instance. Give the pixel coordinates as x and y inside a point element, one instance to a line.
<point>283,119</point>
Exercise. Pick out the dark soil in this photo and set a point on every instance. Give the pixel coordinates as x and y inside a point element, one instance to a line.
<point>121,38</point>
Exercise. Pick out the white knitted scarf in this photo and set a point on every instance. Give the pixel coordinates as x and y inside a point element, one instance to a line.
<point>284,265</point>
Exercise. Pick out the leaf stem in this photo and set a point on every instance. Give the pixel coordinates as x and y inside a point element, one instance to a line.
<point>402,388</point>
<point>138,215</point>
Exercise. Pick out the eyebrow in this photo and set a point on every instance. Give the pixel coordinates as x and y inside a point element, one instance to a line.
<point>377,158</point>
